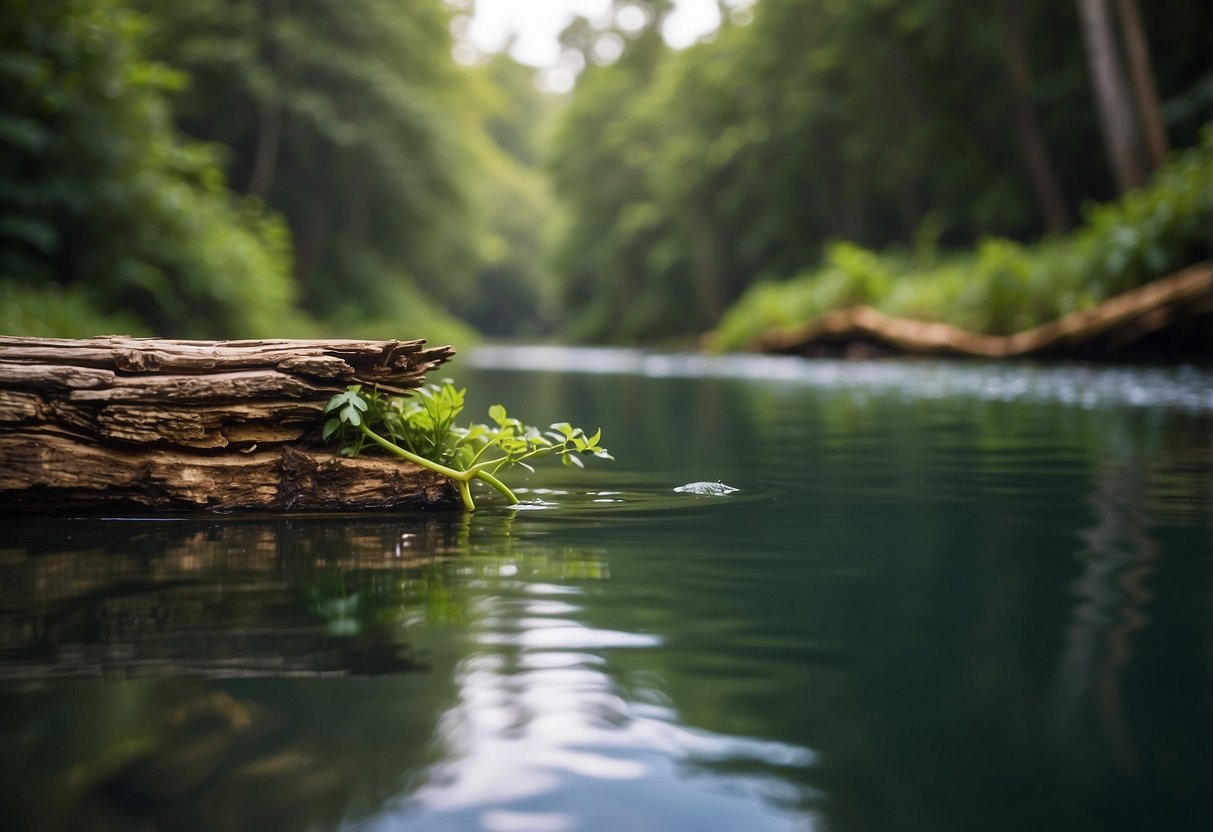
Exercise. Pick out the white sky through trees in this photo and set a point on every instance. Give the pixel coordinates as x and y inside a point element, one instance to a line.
<point>535,26</point>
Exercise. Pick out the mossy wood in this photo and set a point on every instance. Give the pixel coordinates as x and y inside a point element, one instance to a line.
<point>188,425</point>
<point>1181,303</point>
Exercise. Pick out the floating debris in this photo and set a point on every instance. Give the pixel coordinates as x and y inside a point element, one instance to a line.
<point>706,489</point>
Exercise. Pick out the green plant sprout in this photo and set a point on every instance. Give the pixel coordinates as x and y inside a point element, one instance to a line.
<point>422,430</point>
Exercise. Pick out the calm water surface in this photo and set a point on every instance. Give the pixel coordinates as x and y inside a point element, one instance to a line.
<point>945,597</point>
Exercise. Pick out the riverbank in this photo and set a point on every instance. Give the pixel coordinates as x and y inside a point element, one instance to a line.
<point>1003,287</point>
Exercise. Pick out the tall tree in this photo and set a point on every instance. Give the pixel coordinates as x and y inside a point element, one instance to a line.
<point>1031,138</point>
<point>1141,73</point>
<point>1116,117</point>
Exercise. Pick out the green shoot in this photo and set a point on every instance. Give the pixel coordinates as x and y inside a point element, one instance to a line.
<point>422,430</point>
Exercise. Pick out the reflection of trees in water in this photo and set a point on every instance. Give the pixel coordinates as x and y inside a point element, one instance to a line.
<point>1111,598</point>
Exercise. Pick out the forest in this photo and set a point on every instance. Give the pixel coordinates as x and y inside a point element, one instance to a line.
<point>308,168</point>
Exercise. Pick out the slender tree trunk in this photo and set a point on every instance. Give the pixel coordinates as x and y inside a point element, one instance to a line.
<point>851,203</point>
<point>911,109</point>
<point>358,191</point>
<point>708,296</point>
<point>1111,97</point>
<point>310,244</point>
<point>1031,138</point>
<point>269,139</point>
<point>269,129</point>
<point>1141,73</point>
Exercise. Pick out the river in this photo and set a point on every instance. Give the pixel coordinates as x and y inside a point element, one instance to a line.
<point>944,596</point>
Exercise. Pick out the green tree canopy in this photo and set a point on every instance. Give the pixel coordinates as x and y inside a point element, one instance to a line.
<point>101,196</point>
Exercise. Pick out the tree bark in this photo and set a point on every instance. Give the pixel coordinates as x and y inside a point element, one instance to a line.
<point>1112,100</point>
<point>1031,137</point>
<point>197,425</point>
<point>1141,73</point>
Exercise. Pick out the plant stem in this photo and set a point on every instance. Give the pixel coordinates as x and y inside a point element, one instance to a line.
<point>465,494</point>
<point>463,478</point>
<point>499,485</point>
<point>437,467</point>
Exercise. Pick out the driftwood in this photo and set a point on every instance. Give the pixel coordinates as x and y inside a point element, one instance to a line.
<point>1110,328</point>
<point>187,425</point>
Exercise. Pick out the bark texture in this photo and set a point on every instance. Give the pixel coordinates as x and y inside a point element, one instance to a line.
<point>1111,328</point>
<point>187,425</point>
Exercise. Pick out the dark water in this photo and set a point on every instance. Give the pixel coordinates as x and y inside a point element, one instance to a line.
<point>945,597</point>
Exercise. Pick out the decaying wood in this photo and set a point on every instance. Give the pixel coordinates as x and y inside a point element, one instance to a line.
<point>190,425</point>
<point>1107,328</point>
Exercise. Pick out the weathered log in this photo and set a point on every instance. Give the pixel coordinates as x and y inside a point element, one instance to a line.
<point>190,425</point>
<point>1109,328</point>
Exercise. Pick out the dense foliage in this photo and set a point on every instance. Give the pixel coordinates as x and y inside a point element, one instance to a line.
<point>101,199</point>
<point>222,168</point>
<point>691,176</point>
<point>1003,286</point>
<point>333,115</point>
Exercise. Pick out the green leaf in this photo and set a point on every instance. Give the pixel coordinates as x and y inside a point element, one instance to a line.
<point>330,427</point>
<point>498,414</point>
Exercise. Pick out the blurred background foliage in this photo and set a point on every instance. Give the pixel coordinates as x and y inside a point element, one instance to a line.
<point>230,168</point>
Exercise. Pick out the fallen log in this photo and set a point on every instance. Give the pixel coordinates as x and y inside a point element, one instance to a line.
<point>1113,327</point>
<point>198,425</point>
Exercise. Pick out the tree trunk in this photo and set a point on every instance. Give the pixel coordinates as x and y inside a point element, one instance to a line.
<point>269,139</point>
<point>269,130</point>
<point>1031,138</point>
<point>708,296</point>
<point>310,243</point>
<point>1112,100</point>
<point>1145,91</point>
<point>197,425</point>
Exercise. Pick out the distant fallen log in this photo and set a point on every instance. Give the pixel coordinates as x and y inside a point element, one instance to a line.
<point>1110,328</point>
<point>189,425</point>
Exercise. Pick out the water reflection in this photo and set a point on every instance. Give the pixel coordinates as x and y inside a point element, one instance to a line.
<point>1112,603</point>
<point>543,736</point>
<point>214,599</point>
